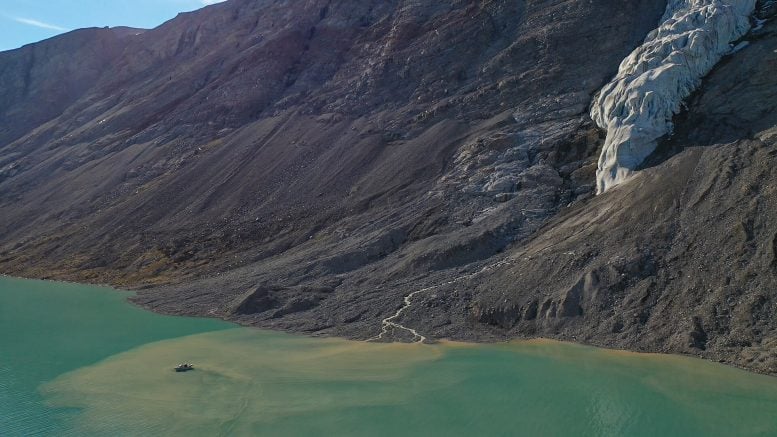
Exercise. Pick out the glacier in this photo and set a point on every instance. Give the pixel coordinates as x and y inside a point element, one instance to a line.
<point>637,106</point>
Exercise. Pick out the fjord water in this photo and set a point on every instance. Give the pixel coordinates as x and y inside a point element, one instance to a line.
<point>79,360</point>
<point>49,328</point>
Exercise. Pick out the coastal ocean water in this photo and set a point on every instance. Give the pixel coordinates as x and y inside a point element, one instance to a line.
<point>253,382</point>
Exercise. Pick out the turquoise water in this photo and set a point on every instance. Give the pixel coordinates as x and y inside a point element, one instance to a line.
<point>49,328</point>
<point>78,360</point>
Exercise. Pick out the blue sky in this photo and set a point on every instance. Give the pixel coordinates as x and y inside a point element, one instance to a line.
<point>26,21</point>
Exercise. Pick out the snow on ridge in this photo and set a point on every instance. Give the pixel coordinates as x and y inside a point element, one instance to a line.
<point>637,106</point>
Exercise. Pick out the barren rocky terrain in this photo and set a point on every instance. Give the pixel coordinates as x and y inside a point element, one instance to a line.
<point>306,166</point>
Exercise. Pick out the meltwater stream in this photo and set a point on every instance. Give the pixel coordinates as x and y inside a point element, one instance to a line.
<point>78,360</point>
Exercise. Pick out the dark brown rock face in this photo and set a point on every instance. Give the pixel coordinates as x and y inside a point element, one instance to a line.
<point>258,133</point>
<point>307,165</point>
<point>682,258</point>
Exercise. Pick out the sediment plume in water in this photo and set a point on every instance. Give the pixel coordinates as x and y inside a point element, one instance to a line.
<point>249,382</point>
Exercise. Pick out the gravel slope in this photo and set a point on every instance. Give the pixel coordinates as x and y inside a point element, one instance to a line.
<point>305,166</point>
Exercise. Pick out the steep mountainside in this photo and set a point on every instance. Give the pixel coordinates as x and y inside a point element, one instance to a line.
<point>309,165</point>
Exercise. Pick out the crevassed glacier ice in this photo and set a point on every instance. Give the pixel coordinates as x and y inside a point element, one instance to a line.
<point>637,106</point>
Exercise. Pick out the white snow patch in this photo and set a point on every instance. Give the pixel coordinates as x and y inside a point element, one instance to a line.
<point>637,106</point>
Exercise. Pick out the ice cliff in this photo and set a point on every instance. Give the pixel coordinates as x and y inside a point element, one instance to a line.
<point>637,106</point>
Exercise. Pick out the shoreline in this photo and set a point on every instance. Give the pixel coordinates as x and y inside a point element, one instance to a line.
<point>493,339</point>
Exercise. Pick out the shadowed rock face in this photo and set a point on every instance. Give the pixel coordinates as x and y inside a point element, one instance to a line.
<point>306,165</point>
<point>40,81</point>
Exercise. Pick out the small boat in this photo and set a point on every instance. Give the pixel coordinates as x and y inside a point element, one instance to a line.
<point>184,367</point>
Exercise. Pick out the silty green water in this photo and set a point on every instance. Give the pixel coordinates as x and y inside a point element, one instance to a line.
<point>251,382</point>
<point>49,328</point>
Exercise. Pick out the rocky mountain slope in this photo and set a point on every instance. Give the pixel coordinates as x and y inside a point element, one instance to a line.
<point>309,165</point>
